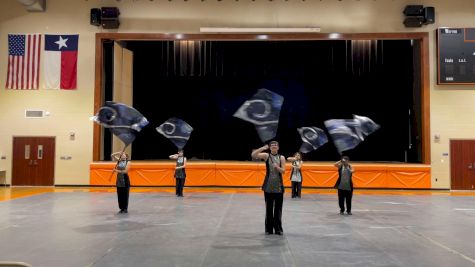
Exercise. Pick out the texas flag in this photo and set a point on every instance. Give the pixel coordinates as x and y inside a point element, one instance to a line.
<point>60,61</point>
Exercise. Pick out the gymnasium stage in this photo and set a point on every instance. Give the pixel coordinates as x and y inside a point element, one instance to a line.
<point>251,174</point>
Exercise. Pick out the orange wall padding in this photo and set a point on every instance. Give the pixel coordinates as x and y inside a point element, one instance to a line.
<point>143,173</point>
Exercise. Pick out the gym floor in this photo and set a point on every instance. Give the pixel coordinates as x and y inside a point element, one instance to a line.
<point>79,226</point>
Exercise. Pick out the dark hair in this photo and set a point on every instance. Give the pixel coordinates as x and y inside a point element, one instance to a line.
<point>345,158</point>
<point>298,152</point>
<point>273,142</point>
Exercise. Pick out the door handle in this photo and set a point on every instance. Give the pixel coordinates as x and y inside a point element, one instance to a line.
<point>470,166</point>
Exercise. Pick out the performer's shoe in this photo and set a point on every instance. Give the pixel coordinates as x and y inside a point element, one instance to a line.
<point>341,212</point>
<point>278,233</point>
<point>268,233</point>
<point>349,213</point>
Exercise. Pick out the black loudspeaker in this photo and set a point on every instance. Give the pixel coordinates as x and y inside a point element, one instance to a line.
<point>110,12</point>
<point>110,17</point>
<point>110,23</point>
<point>414,10</point>
<point>414,21</point>
<point>429,15</point>
<point>95,17</point>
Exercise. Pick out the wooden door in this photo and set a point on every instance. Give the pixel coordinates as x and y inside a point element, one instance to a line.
<point>33,161</point>
<point>462,164</point>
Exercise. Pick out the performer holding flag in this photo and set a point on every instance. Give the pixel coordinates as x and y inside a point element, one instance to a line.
<point>123,180</point>
<point>124,122</point>
<point>177,131</point>
<point>346,135</point>
<point>263,110</point>
<point>273,186</point>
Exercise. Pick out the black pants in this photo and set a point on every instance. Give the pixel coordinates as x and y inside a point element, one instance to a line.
<point>274,203</point>
<point>296,189</point>
<point>123,197</point>
<point>342,196</point>
<point>180,183</point>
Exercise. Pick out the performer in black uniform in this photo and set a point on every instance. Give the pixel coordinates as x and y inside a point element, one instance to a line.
<point>273,186</point>
<point>180,173</point>
<point>123,182</point>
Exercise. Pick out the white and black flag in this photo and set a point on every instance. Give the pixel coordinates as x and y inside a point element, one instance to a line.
<point>123,121</point>
<point>348,133</point>
<point>262,110</point>
<point>312,138</point>
<point>176,130</point>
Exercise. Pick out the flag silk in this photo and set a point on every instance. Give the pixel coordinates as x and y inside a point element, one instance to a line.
<point>23,61</point>
<point>176,130</point>
<point>262,110</point>
<point>122,120</point>
<point>348,133</point>
<point>367,126</point>
<point>312,138</point>
<point>60,61</point>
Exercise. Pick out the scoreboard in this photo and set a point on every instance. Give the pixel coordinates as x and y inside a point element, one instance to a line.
<point>456,55</point>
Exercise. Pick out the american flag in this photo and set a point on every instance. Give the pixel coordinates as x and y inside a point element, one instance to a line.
<point>23,61</point>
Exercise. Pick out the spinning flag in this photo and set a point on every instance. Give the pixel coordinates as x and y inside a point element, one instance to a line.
<point>347,134</point>
<point>177,130</point>
<point>123,121</point>
<point>312,138</point>
<point>263,111</point>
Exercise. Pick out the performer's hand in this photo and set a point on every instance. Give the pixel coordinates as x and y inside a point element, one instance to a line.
<point>265,147</point>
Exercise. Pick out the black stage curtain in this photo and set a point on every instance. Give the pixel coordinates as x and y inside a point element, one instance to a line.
<point>204,82</point>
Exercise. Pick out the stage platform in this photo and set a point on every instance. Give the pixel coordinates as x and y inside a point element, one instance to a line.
<point>251,174</point>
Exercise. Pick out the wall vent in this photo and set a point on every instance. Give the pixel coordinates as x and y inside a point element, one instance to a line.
<point>34,114</point>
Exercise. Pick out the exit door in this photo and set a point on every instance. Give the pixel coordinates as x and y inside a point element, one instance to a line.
<point>33,161</point>
<point>462,164</point>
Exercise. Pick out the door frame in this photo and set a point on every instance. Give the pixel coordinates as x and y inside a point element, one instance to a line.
<point>54,156</point>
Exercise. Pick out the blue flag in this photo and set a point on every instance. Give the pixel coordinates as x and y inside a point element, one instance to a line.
<point>348,133</point>
<point>312,138</point>
<point>123,121</point>
<point>177,130</point>
<point>262,110</point>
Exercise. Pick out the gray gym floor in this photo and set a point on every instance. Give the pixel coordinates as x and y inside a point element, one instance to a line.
<point>227,229</point>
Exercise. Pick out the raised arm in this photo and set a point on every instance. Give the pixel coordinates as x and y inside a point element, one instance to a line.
<point>174,156</point>
<point>291,159</point>
<point>259,153</point>
<point>115,156</point>
<point>338,164</point>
